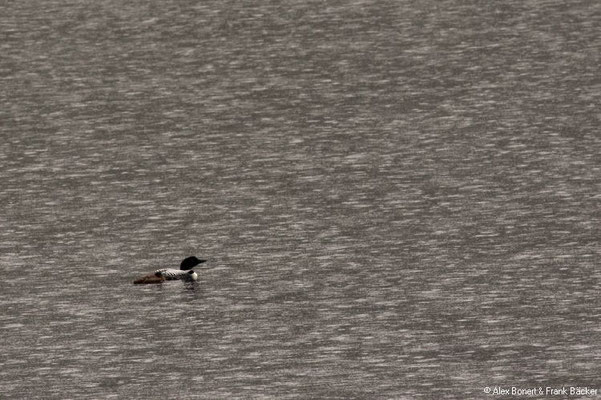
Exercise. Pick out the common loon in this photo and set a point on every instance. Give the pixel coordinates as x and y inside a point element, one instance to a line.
<point>184,273</point>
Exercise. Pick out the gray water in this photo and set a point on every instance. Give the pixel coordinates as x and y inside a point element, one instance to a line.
<point>397,199</point>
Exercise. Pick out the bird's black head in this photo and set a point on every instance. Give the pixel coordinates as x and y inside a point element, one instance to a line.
<point>190,263</point>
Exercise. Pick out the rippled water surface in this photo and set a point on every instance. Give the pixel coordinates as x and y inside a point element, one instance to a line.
<point>397,199</point>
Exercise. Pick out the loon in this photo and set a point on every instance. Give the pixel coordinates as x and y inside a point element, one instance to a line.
<point>184,273</point>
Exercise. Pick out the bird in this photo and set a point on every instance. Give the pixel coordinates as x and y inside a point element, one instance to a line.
<point>184,273</point>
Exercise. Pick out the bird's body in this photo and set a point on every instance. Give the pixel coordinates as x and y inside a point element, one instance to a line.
<point>171,274</point>
<point>185,273</point>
